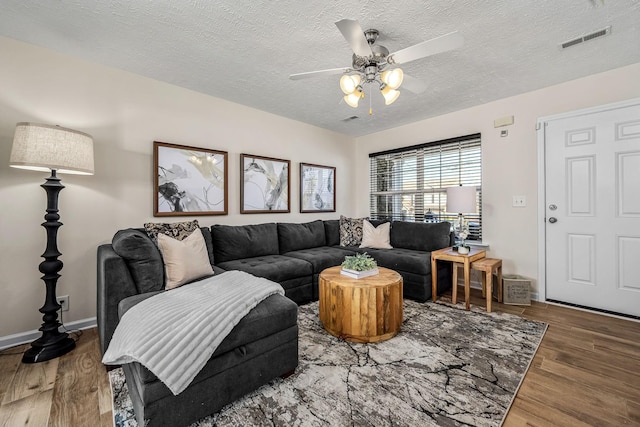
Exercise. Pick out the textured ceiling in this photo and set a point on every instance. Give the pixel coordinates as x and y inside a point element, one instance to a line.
<point>244,51</point>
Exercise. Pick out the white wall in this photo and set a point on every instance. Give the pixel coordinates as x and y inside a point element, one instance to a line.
<point>124,113</point>
<point>509,164</point>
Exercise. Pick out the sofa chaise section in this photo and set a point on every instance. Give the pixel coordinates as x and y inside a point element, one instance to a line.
<point>262,346</point>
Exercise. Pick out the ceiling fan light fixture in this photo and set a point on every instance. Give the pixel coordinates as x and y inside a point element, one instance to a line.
<point>349,83</point>
<point>352,99</point>
<point>392,78</point>
<point>390,95</point>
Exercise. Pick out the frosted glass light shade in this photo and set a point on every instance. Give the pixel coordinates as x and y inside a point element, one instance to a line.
<point>353,99</point>
<point>461,199</point>
<point>392,78</point>
<point>349,83</point>
<point>390,95</point>
<point>46,147</point>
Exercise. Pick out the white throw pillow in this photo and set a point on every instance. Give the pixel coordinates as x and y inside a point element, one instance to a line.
<point>184,260</point>
<point>376,237</point>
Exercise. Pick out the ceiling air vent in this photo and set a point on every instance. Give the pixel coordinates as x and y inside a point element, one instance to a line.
<point>586,37</point>
<point>348,119</point>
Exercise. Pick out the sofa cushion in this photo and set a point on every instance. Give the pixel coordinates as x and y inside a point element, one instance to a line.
<point>376,236</point>
<point>293,237</point>
<point>275,313</point>
<point>350,231</point>
<point>399,259</point>
<point>176,230</point>
<point>232,242</point>
<point>278,268</point>
<point>142,258</point>
<point>332,232</point>
<point>420,236</point>
<point>185,260</point>
<point>322,257</point>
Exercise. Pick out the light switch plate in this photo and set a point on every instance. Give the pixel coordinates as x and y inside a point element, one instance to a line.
<point>519,201</point>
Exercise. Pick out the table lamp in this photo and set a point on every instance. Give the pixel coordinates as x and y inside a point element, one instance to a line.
<point>461,200</point>
<point>51,148</point>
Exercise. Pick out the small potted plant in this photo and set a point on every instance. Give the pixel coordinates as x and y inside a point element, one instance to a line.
<point>359,266</point>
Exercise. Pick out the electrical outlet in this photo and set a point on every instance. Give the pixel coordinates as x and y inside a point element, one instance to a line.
<point>519,201</point>
<point>64,302</point>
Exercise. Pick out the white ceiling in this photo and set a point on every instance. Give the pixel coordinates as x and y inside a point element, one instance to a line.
<point>244,51</point>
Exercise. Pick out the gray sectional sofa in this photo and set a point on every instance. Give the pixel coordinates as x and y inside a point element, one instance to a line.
<point>264,344</point>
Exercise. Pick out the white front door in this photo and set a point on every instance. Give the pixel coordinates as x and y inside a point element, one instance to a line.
<point>592,209</point>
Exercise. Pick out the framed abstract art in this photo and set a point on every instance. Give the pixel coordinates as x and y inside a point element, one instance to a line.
<point>264,184</point>
<point>189,180</point>
<point>317,188</point>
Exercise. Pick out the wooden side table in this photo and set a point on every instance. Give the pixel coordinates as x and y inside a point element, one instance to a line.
<point>361,310</point>
<point>448,254</point>
<point>487,266</point>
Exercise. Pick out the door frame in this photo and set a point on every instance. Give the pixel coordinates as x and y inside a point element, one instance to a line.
<point>540,130</point>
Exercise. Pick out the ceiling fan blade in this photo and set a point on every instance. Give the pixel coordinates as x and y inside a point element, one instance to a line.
<point>353,33</point>
<point>309,74</point>
<point>440,44</point>
<point>412,84</point>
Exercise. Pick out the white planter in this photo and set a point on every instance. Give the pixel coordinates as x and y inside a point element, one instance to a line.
<point>463,250</point>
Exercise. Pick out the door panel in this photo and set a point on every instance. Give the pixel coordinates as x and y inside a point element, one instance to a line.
<point>592,195</point>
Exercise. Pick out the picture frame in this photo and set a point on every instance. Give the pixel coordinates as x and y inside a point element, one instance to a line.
<point>189,180</point>
<point>317,188</point>
<point>264,184</point>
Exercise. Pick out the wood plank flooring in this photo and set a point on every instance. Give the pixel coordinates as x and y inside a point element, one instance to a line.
<point>585,373</point>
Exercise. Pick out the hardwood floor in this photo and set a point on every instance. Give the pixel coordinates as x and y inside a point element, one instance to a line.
<point>585,373</point>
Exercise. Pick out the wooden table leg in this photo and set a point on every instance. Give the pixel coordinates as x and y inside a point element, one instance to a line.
<point>489,280</point>
<point>500,282</point>
<point>434,280</point>
<point>467,283</point>
<point>454,284</point>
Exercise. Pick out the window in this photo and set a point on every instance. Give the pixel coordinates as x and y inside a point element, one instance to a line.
<point>411,183</point>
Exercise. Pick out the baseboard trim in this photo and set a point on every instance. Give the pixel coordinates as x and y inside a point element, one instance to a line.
<point>27,337</point>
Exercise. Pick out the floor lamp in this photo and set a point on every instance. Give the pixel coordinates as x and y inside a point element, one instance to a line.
<point>461,200</point>
<point>51,148</point>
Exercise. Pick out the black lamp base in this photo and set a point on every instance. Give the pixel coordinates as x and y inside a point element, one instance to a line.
<point>46,349</point>
<point>52,343</point>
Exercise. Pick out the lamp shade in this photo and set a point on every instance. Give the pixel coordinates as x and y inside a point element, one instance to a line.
<point>349,83</point>
<point>353,99</point>
<point>46,147</point>
<point>390,95</point>
<point>461,199</point>
<point>393,78</point>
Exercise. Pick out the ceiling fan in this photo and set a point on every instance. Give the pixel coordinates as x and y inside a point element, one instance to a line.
<point>372,63</point>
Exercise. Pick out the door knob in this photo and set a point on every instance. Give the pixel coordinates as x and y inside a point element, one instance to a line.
<point>553,220</point>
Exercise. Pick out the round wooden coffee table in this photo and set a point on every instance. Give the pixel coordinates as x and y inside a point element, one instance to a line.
<point>361,310</point>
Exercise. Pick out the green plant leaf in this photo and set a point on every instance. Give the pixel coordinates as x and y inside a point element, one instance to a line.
<point>359,262</point>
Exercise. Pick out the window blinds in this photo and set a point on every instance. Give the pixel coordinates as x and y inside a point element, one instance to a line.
<point>411,183</point>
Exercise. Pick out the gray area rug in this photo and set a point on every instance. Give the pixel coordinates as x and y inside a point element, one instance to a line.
<point>447,367</point>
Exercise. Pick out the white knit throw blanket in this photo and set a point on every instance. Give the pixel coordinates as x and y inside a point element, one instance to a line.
<point>175,333</point>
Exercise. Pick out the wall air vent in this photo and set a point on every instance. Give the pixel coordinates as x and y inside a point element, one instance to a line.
<point>348,119</point>
<point>586,37</point>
